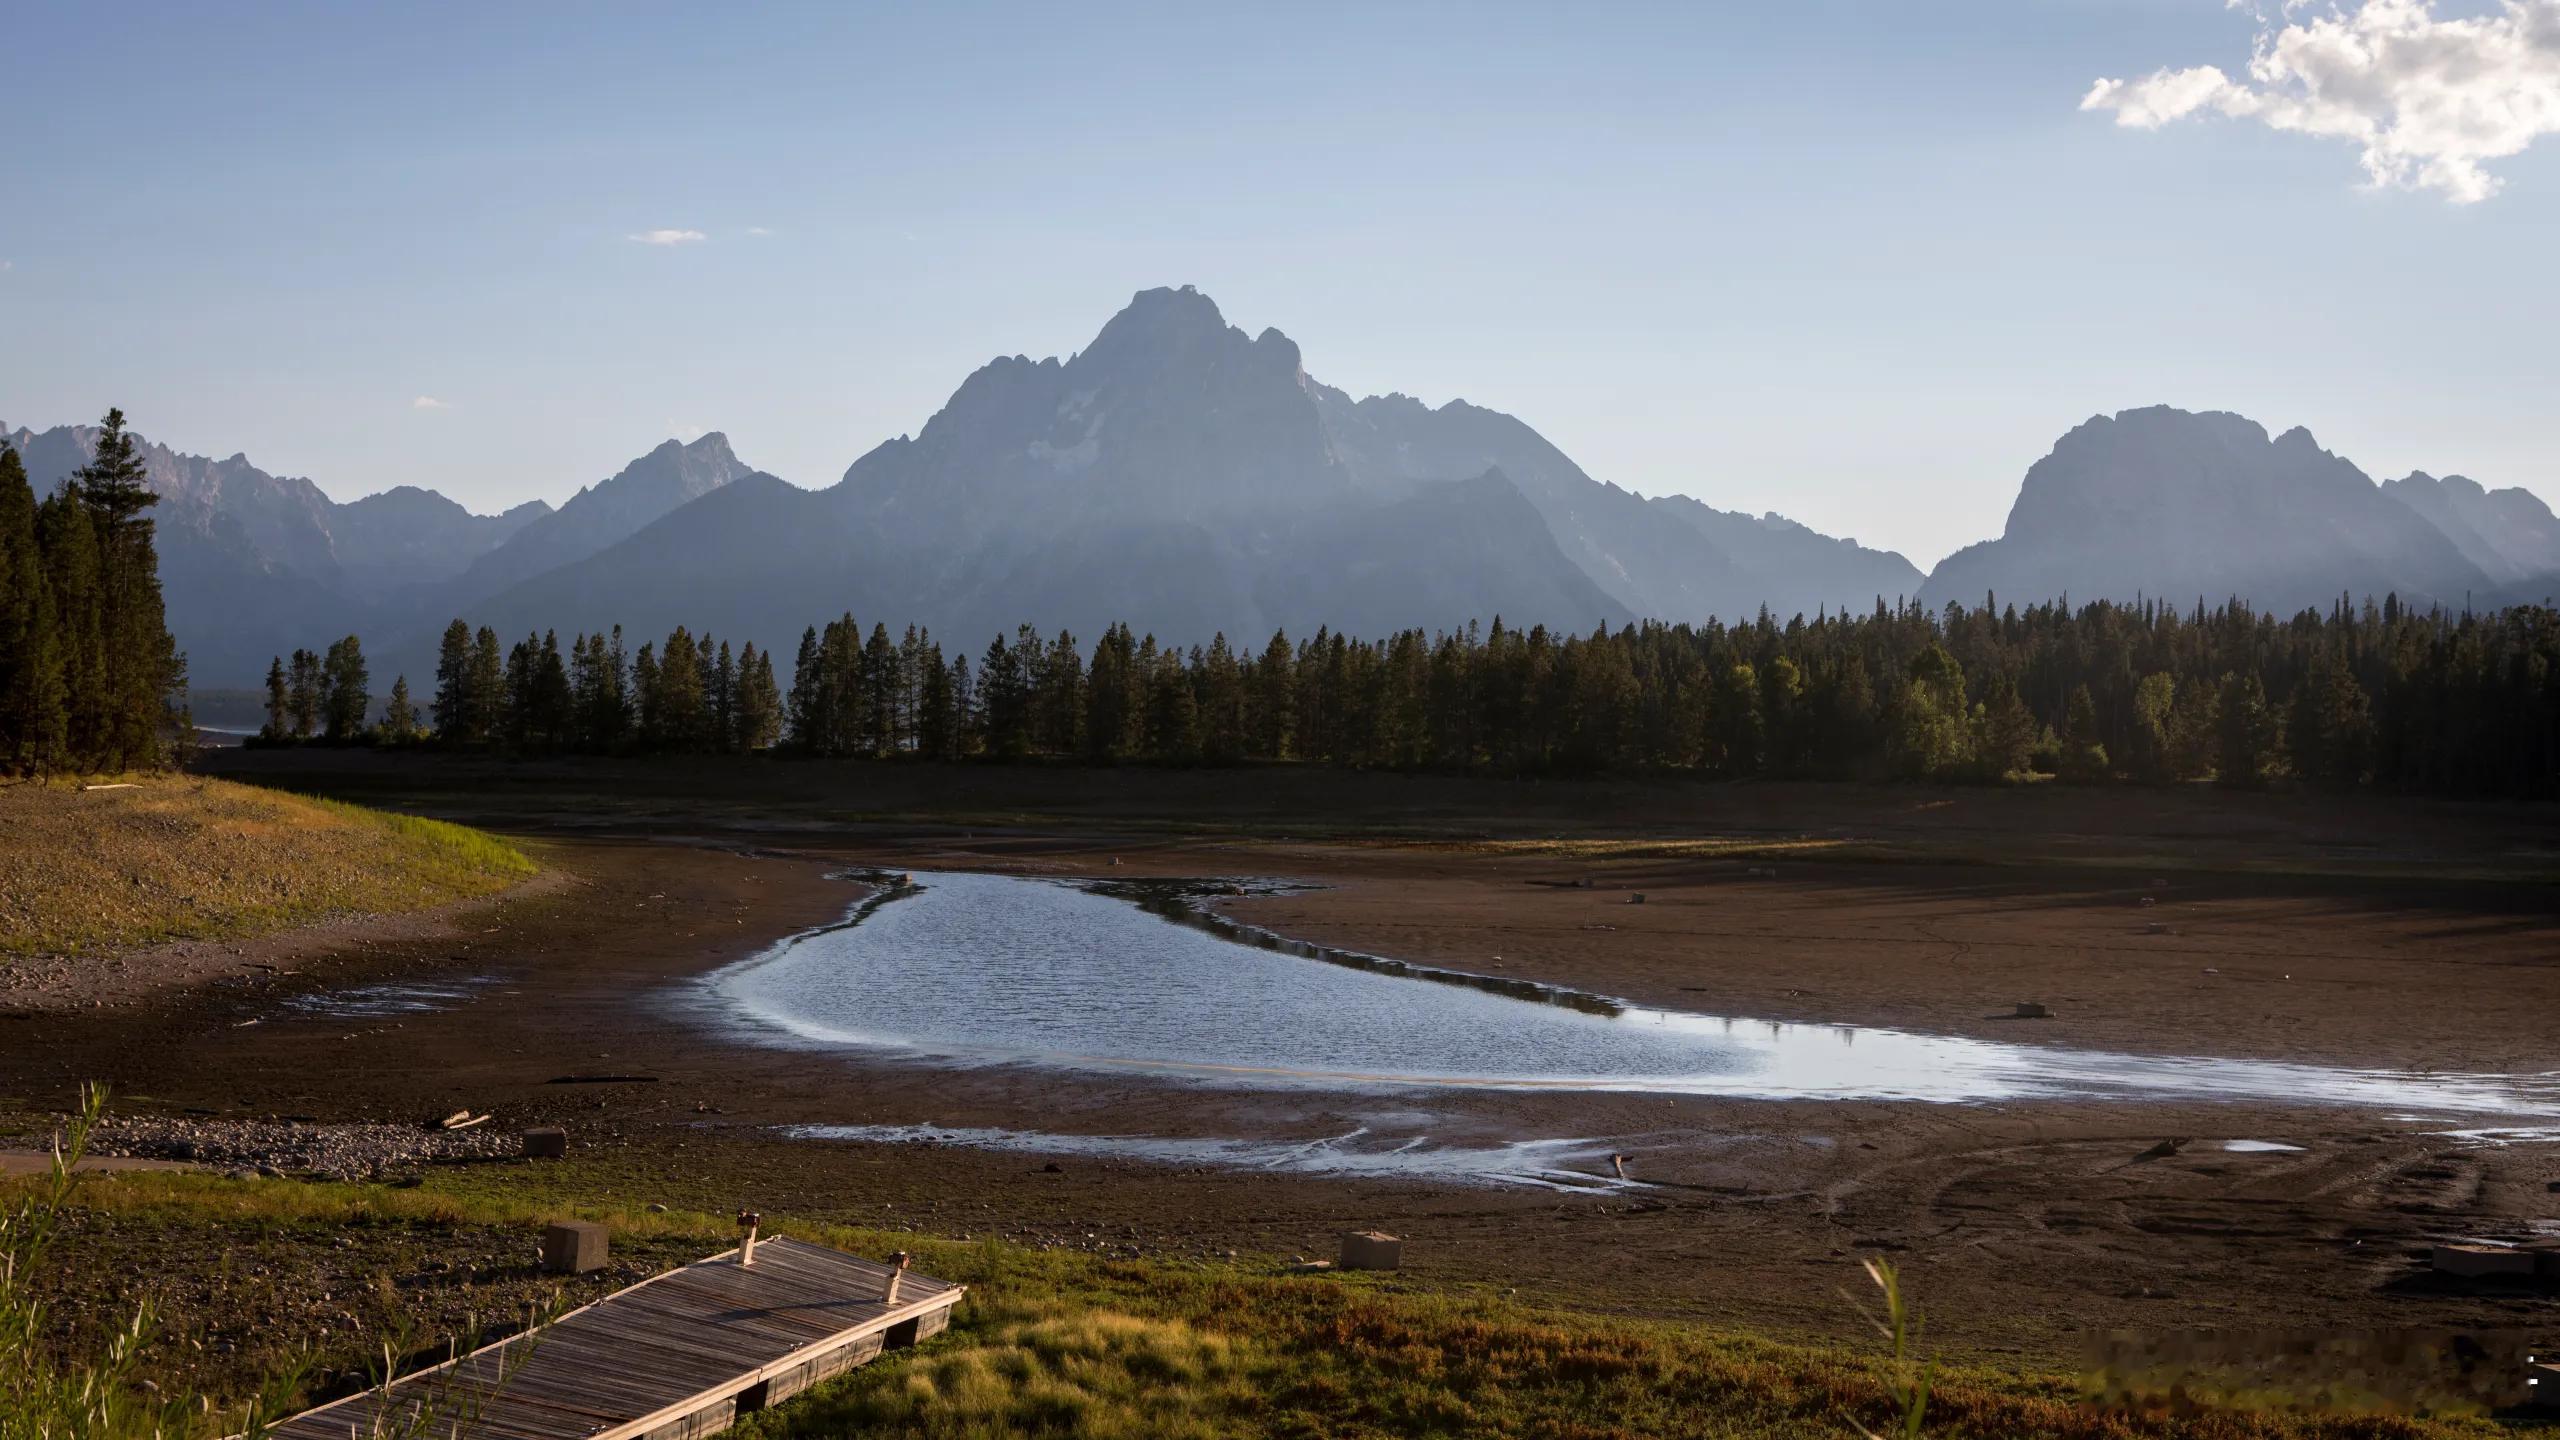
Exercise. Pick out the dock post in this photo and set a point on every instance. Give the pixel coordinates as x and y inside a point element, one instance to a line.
<point>897,1271</point>
<point>748,1220</point>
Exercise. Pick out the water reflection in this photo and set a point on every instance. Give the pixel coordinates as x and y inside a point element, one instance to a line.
<point>989,969</point>
<point>1557,1164</point>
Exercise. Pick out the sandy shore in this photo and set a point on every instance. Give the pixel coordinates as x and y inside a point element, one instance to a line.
<point>2024,1226</point>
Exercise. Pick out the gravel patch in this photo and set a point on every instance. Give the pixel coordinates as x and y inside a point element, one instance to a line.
<point>332,1152</point>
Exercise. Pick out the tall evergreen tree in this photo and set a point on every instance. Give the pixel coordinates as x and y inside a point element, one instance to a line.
<point>487,721</point>
<point>305,694</point>
<point>2249,732</point>
<point>68,537</point>
<point>2084,755</point>
<point>454,709</point>
<point>279,702</point>
<point>33,717</point>
<point>350,702</point>
<point>758,716</point>
<point>141,675</point>
<point>399,714</point>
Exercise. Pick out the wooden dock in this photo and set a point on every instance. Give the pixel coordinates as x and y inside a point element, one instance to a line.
<point>675,1357</point>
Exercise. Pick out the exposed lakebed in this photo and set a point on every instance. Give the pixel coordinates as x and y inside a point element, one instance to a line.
<point>971,969</point>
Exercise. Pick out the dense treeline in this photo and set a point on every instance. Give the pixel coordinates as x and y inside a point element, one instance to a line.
<point>2373,695</point>
<point>89,676</point>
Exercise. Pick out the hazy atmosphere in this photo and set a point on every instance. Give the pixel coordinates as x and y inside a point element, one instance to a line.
<point>1855,263</point>
<point>1387,721</point>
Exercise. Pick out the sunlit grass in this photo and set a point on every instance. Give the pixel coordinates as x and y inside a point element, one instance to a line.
<point>177,857</point>
<point>1065,1343</point>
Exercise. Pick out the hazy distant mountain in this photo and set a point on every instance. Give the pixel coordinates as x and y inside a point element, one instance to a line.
<point>2183,506</point>
<point>1791,568</point>
<point>406,536</point>
<point>1664,571</point>
<point>1175,474</point>
<point>607,512</point>
<point>1188,478</point>
<point>2510,534</point>
<point>253,564</point>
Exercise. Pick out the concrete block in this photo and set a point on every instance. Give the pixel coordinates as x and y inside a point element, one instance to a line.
<point>573,1247</point>
<point>546,1142</point>
<point>1370,1250</point>
<point>2030,1010</point>
<point>2482,1262</point>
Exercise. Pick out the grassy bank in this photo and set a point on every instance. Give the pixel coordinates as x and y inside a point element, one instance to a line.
<point>1048,1343</point>
<point>174,857</point>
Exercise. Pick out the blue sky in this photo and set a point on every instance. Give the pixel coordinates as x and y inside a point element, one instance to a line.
<point>1857,263</point>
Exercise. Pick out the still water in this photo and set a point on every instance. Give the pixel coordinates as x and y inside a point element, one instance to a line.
<point>994,969</point>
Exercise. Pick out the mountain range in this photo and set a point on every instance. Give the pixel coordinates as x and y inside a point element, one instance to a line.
<point>1187,477</point>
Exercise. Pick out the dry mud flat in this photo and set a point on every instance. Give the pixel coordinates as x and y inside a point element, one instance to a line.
<point>2025,1225</point>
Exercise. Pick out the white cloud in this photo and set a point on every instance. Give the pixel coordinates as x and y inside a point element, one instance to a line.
<point>688,433</point>
<point>758,231</point>
<point>670,237</point>
<point>2428,100</point>
<point>8,264</point>
<point>428,402</point>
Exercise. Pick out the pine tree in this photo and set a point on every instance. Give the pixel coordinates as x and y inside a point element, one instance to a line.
<point>1733,723</point>
<point>758,722</point>
<point>140,672</point>
<point>399,715</point>
<point>555,712</point>
<point>720,700</point>
<point>2248,732</point>
<point>808,711</point>
<point>2005,733</point>
<point>279,702</point>
<point>1932,728</point>
<point>453,707</point>
<point>680,711</point>
<point>486,723</point>
<point>2084,757</point>
<point>938,716</point>
<point>349,690</point>
<point>304,694</point>
<point>68,538</point>
<point>2155,711</point>
<point>33,718</point>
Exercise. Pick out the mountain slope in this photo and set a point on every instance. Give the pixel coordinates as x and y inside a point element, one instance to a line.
<point>606,513</point>
<point>2185,506</point>
<point>1791,568</point>
<point>2510,534</point>
<point>1662,571</point>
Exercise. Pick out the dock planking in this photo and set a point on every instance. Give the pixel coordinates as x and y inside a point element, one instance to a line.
<point>677,1356</point>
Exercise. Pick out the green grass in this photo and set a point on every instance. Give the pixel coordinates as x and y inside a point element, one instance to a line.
<point>176,858</point>
<point>1057,1343</point>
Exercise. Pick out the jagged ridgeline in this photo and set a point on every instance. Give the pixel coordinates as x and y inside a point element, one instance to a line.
<point>89,676</point>
<point>1186,479</point>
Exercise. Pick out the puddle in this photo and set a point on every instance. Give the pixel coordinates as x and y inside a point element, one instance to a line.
<point>1360,1154</point>
<point>968,969</point>
<point>2261,1147</point>
<point>359,1002</point>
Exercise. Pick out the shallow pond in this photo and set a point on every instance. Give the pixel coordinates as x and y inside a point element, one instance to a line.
<point>994,969</point>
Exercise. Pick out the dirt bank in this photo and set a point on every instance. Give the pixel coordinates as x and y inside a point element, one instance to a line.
<point>2024,1226</point>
